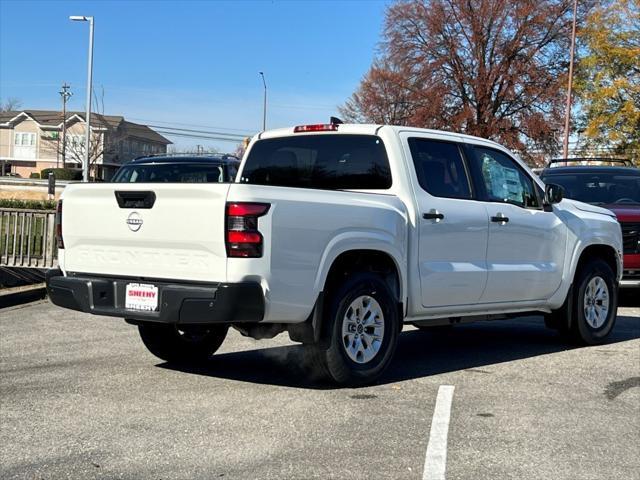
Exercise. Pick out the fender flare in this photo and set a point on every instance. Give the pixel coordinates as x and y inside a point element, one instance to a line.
<point>363,240</point>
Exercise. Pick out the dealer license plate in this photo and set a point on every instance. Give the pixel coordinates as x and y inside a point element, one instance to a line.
<point>142,297</point>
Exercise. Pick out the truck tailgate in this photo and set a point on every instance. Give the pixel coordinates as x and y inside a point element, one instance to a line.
<point>180,236</point>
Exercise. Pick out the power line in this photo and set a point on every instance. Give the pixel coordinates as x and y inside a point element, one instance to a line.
<point>243,131</point>
<point>205,137</point>
<point>207,132</point>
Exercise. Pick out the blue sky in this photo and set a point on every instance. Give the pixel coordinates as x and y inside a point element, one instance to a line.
<point>192,62</point>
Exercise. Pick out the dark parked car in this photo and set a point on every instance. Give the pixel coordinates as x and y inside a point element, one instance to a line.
<point>179,169</point>
<point>610,183</point>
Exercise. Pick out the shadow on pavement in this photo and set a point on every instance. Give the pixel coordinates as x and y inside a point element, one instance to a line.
<point>419,354</point>
<point>629,297</point>
<point>21,298</point>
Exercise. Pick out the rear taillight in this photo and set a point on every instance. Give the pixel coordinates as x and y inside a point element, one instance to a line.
<point>242,236</point>
<point>58,224</point>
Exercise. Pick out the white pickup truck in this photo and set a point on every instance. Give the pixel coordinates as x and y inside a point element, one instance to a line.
<point>339,235</point>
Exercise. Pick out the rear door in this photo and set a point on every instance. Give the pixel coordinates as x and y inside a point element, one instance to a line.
<point>151,230</point>
<point>526,249</point>
<point>452,225</point>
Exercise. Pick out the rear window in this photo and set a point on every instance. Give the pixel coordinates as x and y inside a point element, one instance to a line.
<point>330,162</point>
<point>173,173</point>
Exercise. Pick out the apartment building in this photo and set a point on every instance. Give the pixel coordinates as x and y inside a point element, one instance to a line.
<point>31,140</point>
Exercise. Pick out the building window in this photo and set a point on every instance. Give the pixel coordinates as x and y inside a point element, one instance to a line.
<point>24,139</point>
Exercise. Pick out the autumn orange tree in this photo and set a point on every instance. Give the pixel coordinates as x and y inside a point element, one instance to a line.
<point>384,96</point>
<point>608,83</point>
<point>492,68</point>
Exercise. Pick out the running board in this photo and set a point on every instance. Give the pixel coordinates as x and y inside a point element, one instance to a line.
<point>434,322</point>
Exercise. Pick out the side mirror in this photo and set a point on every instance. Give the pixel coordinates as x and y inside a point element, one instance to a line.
<point>553,193</point>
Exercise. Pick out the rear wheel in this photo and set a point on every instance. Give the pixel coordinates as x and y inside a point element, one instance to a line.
<point>363,328</point>
<point>183,344</point>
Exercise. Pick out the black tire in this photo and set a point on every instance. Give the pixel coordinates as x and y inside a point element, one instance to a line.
<point>191,345</point>
<point>581,331</point>
<point>334,361</point>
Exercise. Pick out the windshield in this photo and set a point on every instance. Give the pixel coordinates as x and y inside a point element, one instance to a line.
<point>599,188</point>
<point>174,173</point>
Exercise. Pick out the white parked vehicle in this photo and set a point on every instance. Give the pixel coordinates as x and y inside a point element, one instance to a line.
<point>339,235</point>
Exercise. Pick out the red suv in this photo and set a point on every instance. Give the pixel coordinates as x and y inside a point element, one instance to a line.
<point>610,183</point>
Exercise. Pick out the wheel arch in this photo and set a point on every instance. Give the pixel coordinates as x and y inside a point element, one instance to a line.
<point>314,328</point>
<point>359,246</point>
<point>371,260</point>
<point>601,251</point>
<point>597,248</point>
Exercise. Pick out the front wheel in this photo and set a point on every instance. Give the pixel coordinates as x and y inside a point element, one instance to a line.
<point>589,312</point>
<point>175,344</point>
<point>595,303</point>
<point>363,325</point>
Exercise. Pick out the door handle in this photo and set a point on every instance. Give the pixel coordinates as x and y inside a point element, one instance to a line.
<point>500,218</point>
<point>135,199</point>
<point>433,215</point>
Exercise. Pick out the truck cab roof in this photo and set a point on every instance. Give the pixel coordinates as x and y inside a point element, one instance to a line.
<point>371,129</point>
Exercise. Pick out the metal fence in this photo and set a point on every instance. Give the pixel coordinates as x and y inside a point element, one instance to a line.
<point>27,238</point>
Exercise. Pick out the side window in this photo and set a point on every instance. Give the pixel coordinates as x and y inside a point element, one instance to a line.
<point>440,168</point>
<point>504,180</point>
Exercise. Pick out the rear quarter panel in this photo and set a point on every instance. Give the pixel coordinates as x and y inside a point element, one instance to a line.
<point>304,231</point>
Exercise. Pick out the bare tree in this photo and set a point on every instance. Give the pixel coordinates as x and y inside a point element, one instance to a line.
<point>101,143</point>
<point>105,138</point>
<point>492,68</point>
<point>10,104</point>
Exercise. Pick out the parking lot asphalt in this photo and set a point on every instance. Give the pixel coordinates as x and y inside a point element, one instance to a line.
<point>81,398</point>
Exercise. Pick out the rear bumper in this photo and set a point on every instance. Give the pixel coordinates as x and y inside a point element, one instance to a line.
<point>180,303</point>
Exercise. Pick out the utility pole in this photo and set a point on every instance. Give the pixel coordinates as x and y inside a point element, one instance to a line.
<point>567,113</point>
<point>65,94</point>
<point>264,105</point>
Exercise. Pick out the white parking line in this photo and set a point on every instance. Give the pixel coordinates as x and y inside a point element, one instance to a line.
<point>435,461</point>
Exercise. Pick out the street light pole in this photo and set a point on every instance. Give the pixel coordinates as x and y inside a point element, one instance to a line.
<point>567,113</point>
<point>85,166</point>
<point>264,106</point>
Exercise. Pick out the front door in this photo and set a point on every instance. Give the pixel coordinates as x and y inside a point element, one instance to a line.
<point>526,250</point>
<point>452,225</point>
